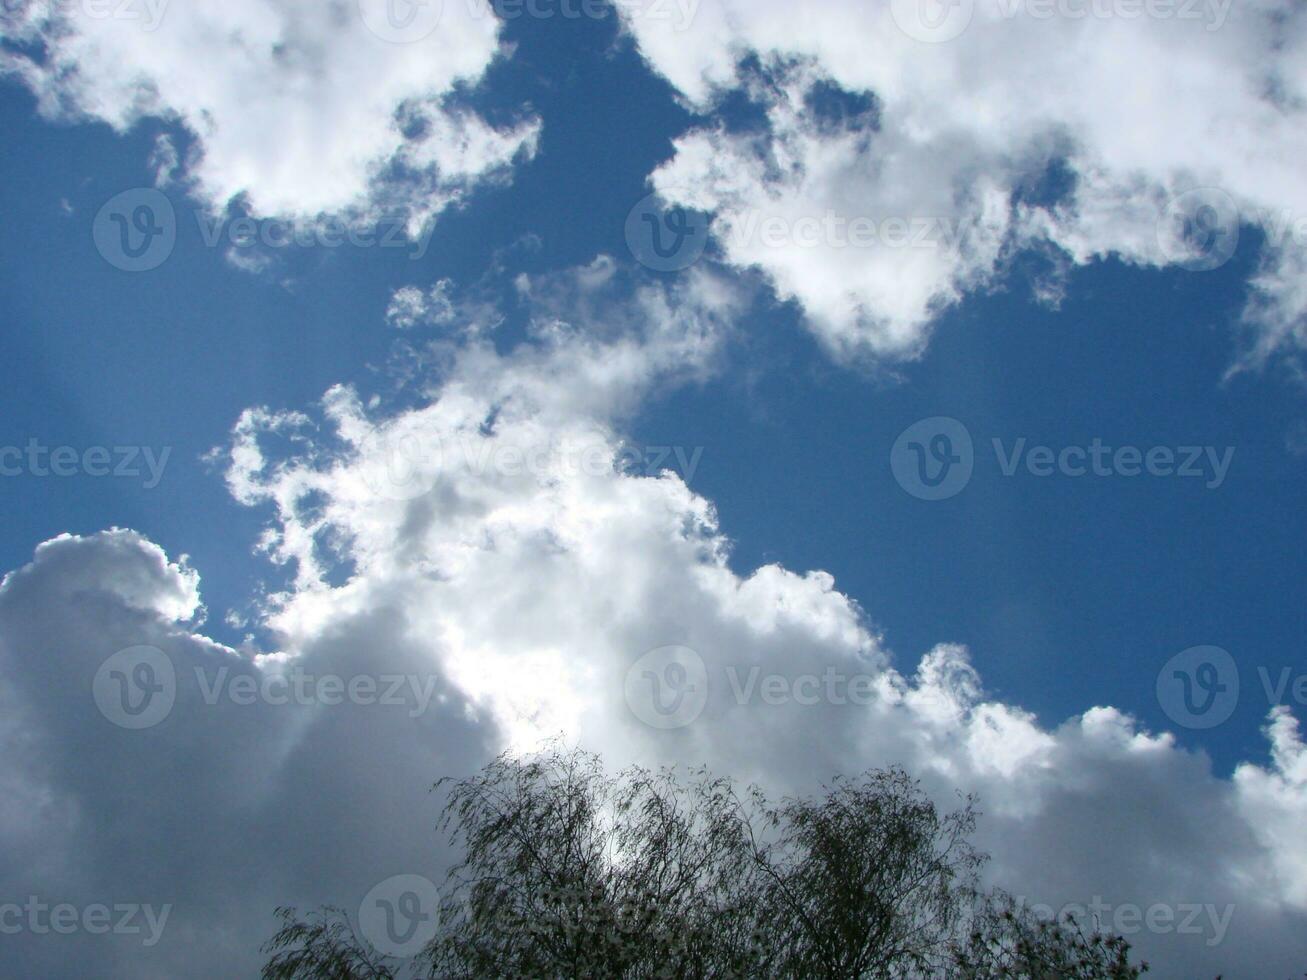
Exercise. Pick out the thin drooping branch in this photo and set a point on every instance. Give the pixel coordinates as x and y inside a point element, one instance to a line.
<point>568,872</point>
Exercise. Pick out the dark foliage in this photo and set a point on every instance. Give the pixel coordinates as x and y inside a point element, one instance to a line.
<point>569,873</point>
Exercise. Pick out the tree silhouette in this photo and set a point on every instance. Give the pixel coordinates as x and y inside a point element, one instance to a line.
<point>568,872</point>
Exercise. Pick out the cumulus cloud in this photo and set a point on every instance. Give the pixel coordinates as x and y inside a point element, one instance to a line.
<point>442,305</point>
<point>410,306</point>
<point>229,805</point>
<point>1275,799</point>
<point>298,107</point>
<point>997,126</point>
<point>496,541</point>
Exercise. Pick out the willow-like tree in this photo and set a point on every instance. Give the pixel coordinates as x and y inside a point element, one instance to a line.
<point>568,872</point>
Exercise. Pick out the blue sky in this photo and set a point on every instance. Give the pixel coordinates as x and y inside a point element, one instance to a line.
<point>133,357</point>
<point>1069,593</point>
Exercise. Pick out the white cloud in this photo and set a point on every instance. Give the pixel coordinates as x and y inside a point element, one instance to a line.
<point>492,539</point>
<point>410,306</point>
<point>442,305</point>
<point>1276,799</point>
<point>224,808</point>
<point>1139,109</point>
<point>164,160</point>
<point>296,105</point>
